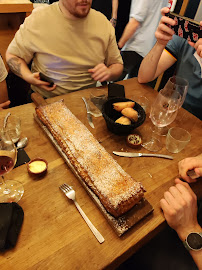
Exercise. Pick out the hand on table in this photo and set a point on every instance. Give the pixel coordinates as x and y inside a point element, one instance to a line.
<point>34,79</point>
<point>100,73</point>
<point>179,206</point>
<point>164,33</point>
<point>191,163</point>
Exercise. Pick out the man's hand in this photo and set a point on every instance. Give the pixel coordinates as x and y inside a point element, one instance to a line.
<point>198,45</point>
<point>179,206</point>
<point>100,73</point>
<point>4,105</point>
<point>192,163</point>
<point>34,79</point>
<point>164,33</point>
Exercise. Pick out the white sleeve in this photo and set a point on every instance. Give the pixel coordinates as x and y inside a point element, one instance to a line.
<point>139,9</point>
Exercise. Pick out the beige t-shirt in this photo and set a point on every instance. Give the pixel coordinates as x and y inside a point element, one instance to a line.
<point>3,71</point>
<point>65,49</point>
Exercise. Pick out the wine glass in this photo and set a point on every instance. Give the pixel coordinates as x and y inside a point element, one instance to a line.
<point>163,112</point>
<point>10,190</point>
<point>178,84</point>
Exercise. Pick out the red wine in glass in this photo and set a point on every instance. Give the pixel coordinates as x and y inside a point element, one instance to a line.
<point>6,164</point>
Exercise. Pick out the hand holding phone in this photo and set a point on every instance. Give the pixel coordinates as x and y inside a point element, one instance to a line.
<point>46,79</point>
<point>185,27</point>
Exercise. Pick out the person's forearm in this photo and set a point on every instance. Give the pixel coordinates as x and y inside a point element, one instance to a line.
<point>18,66</point>
<point>115,4</point>
<point>3,92</point>
<point>128,32</point>
<point>196,255</point>
<point>148,69</point>
<point>116,71</point>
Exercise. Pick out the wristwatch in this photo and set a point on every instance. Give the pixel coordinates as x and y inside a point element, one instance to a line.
<point>193,241</point>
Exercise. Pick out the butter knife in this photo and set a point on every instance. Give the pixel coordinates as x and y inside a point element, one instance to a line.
<point>89,116</point>
<point>128,154</point>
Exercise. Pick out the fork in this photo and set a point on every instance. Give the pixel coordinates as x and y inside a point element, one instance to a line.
<point>70,193</point>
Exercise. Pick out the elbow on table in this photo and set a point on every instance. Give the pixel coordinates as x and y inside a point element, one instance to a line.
<point>141,79</point>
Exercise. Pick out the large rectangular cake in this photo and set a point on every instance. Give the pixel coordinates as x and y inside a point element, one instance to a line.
<point>116,190</point>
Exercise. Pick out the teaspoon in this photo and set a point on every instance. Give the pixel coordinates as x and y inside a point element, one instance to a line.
<point>22,143</point>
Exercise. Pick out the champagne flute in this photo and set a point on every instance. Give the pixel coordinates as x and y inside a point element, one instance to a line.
<point>10,190</point>
<point>163,112</point>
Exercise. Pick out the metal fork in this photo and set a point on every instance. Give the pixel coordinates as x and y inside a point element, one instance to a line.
<point>70,193</point>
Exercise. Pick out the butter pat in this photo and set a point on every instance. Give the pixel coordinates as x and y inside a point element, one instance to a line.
<point>37,166</point>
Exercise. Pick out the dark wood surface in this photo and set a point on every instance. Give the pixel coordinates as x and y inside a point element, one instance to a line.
<point>54,235</point>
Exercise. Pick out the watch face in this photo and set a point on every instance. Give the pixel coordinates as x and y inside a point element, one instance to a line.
<point>194,240</point>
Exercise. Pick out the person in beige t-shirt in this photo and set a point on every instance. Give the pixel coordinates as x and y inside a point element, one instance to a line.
<point>72,44</point>
<point>4,102</point>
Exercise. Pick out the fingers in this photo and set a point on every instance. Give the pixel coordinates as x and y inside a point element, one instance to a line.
<point>48,88</point>
<point>164,10</point>
<point>198,171</point>
<point>5,104</point>
<point>100,73</point>
<point>198,47</point>
<point>164,32</point>
<point>189,164</point>
<point>184,187</point>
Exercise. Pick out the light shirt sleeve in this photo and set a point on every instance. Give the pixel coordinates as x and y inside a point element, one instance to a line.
<point>3,71</point>
<point>113,55</point>
<point>139,9</point>
<point>22,45</point>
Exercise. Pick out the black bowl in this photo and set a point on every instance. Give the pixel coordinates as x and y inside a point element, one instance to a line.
<point>110,115</point>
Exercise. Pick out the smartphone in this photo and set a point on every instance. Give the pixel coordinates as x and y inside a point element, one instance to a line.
<point>46,79</point>
<point>185,27</point>
<point>115,90</point>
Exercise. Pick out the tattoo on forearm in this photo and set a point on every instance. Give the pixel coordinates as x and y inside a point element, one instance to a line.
<point>15,66</point>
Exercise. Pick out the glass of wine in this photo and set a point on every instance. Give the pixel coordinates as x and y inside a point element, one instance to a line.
<point>10,190</point>
<point>163,112</point>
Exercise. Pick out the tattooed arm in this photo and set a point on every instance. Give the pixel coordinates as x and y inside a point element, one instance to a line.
<point>19,67</point>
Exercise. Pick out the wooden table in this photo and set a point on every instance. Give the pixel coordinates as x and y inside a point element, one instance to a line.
<point>54,235</point>
<point>12,15</point>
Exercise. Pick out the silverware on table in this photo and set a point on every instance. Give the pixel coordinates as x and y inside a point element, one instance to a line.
<point>70,193</point>
<point>89,116</point>
<point>128,154</point>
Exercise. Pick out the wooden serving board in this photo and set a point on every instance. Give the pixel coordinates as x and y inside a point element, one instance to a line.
<point>121,224</point>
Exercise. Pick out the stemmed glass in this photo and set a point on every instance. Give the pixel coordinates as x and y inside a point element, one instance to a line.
<point>10,190</point>
<point>180,85</point>
<point>163,112</point>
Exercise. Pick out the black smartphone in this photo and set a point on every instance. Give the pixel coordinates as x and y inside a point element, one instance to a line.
<point>115,90</point>
<point>185,27</point>
<point>46,79</point>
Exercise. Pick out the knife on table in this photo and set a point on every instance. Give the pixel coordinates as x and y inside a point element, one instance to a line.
<point>89,116</point>
<point>128,154</point>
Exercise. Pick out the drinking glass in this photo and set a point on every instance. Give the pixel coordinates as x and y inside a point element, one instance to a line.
<point>180,85</point>
<point>176,140</point>
<point>97,98</point>
<point>10,190</point>
<point>163,112</point>
<point>13,128</point>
